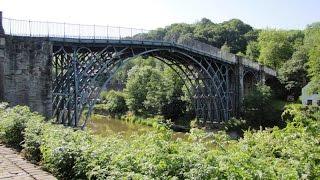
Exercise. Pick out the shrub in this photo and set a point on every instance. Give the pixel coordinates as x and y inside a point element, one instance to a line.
<point>289,153</point>
<point>156,122</point>
<point>258,110</point>
<point>60,149</point>
<point>3,106</point>
<point>307,116</point>
<point>113,102</point>
<point>13,123</point>
<point>33,138</point>
<point>238,125</point>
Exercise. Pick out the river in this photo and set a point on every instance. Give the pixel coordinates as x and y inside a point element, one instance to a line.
<point>104,126</point>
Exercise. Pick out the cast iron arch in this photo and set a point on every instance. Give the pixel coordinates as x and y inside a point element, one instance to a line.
<point>79,71</point>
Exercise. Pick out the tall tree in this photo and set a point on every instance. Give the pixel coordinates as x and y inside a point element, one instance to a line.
<point>145,90</point>
<point>275,47</point>
<point>232,32</point>
<point>293,73</point>
<point>253,51</point>
<point>235,34</point>
<point>312,43</point>
<point>175,96</point>
<point>174,31</point>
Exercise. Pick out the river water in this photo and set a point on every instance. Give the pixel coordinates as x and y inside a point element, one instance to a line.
<point>104,126</point>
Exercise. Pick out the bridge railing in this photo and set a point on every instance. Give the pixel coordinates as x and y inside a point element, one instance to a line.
<point>206,48</point>
<point>250,63</point>
<point>80,31</point>
<point>269,71</point>
<point>67,30</point>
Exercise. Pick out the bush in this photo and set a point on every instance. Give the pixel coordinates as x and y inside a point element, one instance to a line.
<point>156,122</point>
<point>307,116</point>
<point>113,102</point>
<point>33,138</point>
<point>238,125</point>
<point>289,153</point>
<point>258,110</point>
<point>60,149</point>
<point>12,125</point>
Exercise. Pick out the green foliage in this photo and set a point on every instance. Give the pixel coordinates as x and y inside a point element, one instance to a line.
<point>236,125</point>
<point>12,125</point>
<point>253,51</point>
<point>174,31</point>
<point>145,90</point>
<point>112,102</point>
<point>257,109</point>
<point>289,153</point>
<point>32,138</point>
<point>312,44</point>
<point>60,148</point>
<point>122,75</point>
<point>307,116</point>
<point>277,46</point>
<point>234,32</point>
<point>175,96</point>
<point>151,91</point>
<point>293,73</point>
<point>156,122</point>
<point>225,48</point>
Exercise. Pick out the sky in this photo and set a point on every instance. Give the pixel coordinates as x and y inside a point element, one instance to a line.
<point>151,14</point>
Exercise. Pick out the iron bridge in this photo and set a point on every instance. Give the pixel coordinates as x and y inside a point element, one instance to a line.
<point>85,58</point>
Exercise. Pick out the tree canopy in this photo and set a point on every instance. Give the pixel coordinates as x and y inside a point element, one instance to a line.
<point>154,89</point>
<point>312,45</point>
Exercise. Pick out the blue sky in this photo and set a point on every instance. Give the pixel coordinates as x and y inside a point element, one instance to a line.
<point>150,14</point>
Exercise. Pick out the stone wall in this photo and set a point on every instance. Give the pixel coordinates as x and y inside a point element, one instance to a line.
<point>26,73</point>
<point>2,47</point>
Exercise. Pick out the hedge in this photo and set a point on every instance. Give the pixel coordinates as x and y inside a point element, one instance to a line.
<point>289,153</point>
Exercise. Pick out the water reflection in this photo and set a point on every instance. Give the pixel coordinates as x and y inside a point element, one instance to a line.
<point>104,126</point>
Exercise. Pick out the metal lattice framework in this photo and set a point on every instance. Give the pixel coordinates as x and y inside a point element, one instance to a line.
<point>80,72</point>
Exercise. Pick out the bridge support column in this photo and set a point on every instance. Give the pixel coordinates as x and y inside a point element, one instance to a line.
<point>239,69</point>
<point>2,49</point>
<point>25,73</point>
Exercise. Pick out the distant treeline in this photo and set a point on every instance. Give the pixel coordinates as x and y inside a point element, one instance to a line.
<point>295,54</point>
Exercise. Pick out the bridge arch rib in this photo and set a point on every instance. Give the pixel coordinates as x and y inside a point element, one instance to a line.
<point>80,72</point>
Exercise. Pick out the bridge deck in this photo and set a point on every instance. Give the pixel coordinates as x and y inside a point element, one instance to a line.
<point>103,35</point>
<point>173,45</point>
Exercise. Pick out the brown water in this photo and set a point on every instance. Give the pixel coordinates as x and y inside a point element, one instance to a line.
<point>104,126</point>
